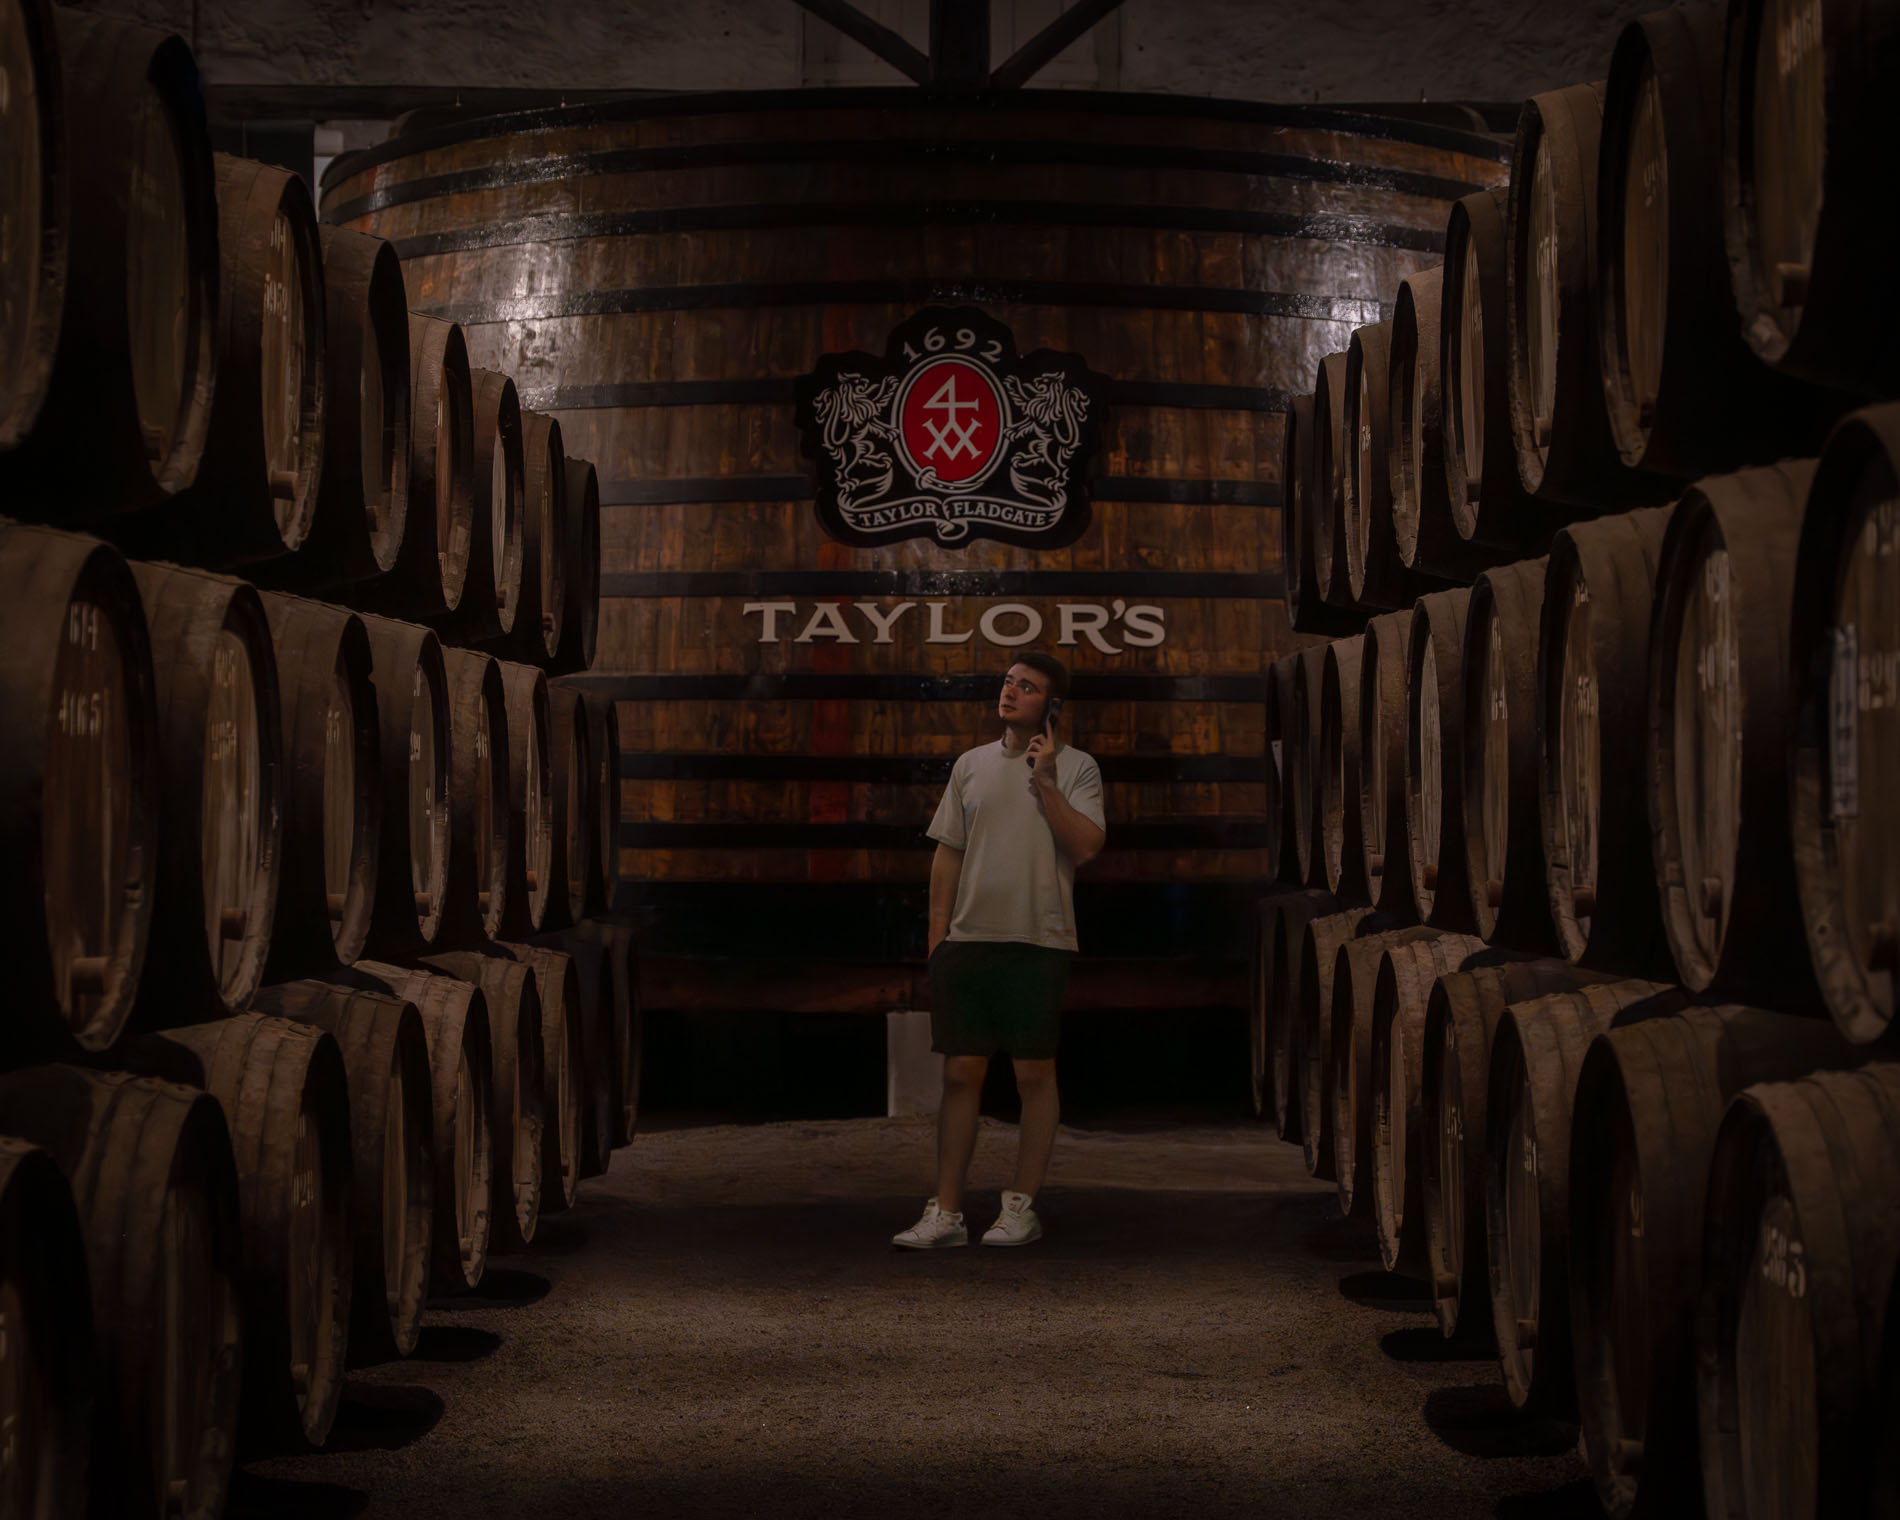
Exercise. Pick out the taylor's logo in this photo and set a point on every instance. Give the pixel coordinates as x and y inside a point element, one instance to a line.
<point>952,435</point>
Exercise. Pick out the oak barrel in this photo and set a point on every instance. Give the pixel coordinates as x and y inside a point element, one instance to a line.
<point>1434,777</point>
<point>1341,780</point>
<point>1844,652</point>
<point>1559,415</point>
<point>386,1058</point>
<point>491,582</point>
<point>476,893</point>
<point>603,744</point>
<point>625,1027</point>
<point>132,385</point>
<point>287,1106</point>
<point>1721,705</point>
<point>1536,1059</point>
<point>1461,1017</point>
<point>722,244</point>
<point>1592,659</point>
<point>79,791</point>
<point>1394,1060</point>
<point>576,811</point>
<point>1807,131</point>
<point>1326,502</point>
<point>1649,1102</point>
<point>1800,1241</point>
<point>1377,574</point>
<point>530,798</point>
<point>562,1055</point>
<point>517,1122</point>
<point>462,1098</point>
<point>1489,504</point>
<point>1504,838</point>
<point>1687,396</point>
<point>1288,917</point>
<point>1382,728</point>
<point>1282,860</point>
<point>1346,1037</point>
<point>363,502</point>
<point>592,1016</point>
<point>256,489</point>
<point>580,617</point>
<point>46,1394</point>
<point>221,828</point>
<point>157,1196</point>
<point>333,787</point>
<point>33,244</point>
<point>536,636</point>
<point>1422,522</point>
<point>1302,776</point>
<point>1306,608</point>
<point>1307,1053</point>
<point>412,704</point>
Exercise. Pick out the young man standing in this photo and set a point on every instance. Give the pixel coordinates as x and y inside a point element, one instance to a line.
<point>1016,820</point>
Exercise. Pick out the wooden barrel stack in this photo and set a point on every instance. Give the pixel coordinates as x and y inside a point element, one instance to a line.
<point>1632,1147</point>
<point>218,1129</point>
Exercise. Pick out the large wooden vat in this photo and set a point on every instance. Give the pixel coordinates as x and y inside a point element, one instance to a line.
<point>658,274</point>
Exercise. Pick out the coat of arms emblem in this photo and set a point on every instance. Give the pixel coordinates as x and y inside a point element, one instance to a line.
<point>952,435</point>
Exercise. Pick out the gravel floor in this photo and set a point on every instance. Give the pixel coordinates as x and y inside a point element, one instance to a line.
<point>720,1329</point>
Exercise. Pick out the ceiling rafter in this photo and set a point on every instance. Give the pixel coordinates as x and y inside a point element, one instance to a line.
<point>1042,49</point>
<point>872,35</point>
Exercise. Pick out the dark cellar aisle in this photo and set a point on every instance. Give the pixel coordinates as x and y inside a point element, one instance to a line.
<point>719,1329</point>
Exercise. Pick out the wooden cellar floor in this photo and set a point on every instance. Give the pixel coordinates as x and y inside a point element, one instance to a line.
<point>720,1329</point>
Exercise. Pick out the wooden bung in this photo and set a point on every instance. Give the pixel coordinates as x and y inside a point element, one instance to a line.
<point>1558,415</point>
<point>220,832</point>
<point>156,1191</point>
<point>333,787</point>
<point>131,388</point>
<point>1649,1102</point>
<point>386,1059</point>
<point>412,703</point>
<point>34,239</point>
<point>285,1098</point>
<point>1462,1011</point>
<point>1434,776</point>
<point>562,1056</point>
<point>1536,1060</point>
<point>1799,1247</point>
<point>1720,707</point>
<point>516,1122</point>
<point>1592,664</point>
<point>79,794</point>
<point>1288,917</point>
<point>50,1335</point>
<point>1844,652</point>
<point>1394,1060</point>
<point>1342,853</point>
<point>480,820</point>
<point>257,487</point>
<point>462,1096</point>
<point>1503,833</point>
<point>530,799</point>
<point>1807,132</point>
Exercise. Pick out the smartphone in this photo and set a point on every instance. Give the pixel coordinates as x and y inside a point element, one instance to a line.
<point>1051,717</point>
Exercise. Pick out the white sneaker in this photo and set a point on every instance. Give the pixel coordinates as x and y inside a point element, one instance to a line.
<point>935,1230</point>
<point>1017,1225</point>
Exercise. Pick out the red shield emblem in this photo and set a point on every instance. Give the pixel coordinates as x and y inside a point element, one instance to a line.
<point>951,420</point>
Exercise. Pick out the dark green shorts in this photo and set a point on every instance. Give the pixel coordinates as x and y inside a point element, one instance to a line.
<point>988,996</point>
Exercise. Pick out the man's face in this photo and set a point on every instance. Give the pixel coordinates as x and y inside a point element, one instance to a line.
<point>1024,697</point>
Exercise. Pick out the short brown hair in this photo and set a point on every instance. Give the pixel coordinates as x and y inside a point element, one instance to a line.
<point>1049,668</point>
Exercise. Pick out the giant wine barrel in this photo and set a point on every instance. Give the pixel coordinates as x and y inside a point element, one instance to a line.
<point>33,164</point>
<point>692,257</point>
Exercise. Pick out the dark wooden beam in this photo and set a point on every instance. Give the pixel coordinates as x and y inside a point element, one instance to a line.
<point>880,39</point>
<point>1043,48</point>
<point>960,43</point>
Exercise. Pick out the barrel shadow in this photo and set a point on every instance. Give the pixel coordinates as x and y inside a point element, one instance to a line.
<point>1425,1343</point>
<point>454,1343</point>
<point>255,1498</point>
<point>560,1236</point>
<point>1482,1422</point>
<point>501,1288</point>
<point>1386,1290</point>
<point>1570,1501</point>
<point>1343,1240</point>
<point>377,1418</point>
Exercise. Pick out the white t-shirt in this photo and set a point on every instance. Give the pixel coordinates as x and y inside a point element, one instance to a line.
<point>1016,885</point>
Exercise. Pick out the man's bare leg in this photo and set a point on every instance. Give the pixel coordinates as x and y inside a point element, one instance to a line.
<point>1042,1115</point>
<point>956,1126</point>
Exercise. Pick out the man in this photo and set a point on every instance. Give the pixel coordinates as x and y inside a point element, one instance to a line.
<point>1016,820</point>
